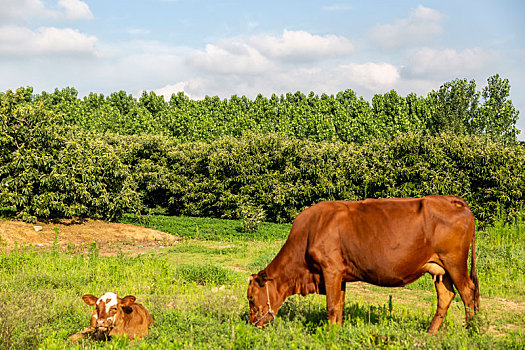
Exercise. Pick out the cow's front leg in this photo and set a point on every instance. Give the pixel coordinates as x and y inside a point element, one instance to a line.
<point>86,333</point>
<point>445,294</point>
<point>335,294</point>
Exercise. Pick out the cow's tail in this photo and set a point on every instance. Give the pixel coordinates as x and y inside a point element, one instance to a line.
<point>460,203</point>
<point>473,275</point>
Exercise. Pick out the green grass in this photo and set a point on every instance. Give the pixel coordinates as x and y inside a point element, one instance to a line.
<point>41,306</point>
<point>211,229</point>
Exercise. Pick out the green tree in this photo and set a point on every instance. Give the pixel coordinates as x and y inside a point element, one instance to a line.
<point>496,117</point>
<point>452,107</point>
<point>122,101</point>
<point>153,103</point>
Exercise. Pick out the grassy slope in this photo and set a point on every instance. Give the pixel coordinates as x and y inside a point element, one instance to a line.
<point>40,303</point>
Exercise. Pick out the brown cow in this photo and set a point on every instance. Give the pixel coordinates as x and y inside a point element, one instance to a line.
<point>386,242</point>
<point>115,316</point>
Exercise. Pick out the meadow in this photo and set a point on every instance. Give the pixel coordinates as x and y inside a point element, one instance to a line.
<point>196,292</point>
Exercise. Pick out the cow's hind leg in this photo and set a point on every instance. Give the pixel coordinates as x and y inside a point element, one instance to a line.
<point>335,293</point>
<point>445,294</point>
<point>456,267</point>
<point>467,290</point>
<point>341,303</point>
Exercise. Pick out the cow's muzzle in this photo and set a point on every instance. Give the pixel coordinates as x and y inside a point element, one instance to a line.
<point>104,325</point>
<point>264,319</point>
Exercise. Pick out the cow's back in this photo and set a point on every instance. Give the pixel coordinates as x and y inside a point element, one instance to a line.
<point>135,323</point>
<point>383,241</point>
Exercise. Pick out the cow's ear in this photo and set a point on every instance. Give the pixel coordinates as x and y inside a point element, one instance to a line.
<point>89,299</point>
<point>127,309</point>
<point>261,278</point>
<point>128,300</point>
<point>263,275</point>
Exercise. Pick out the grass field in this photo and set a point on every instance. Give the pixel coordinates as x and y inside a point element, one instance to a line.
<point>196,291</point>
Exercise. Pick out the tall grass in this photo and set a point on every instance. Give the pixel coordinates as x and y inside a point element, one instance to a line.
<point>501,254</point>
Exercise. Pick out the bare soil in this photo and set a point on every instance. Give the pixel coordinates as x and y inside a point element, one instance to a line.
<point>110,238</point>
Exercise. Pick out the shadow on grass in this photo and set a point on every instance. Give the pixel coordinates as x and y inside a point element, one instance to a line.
<point>312,316</point>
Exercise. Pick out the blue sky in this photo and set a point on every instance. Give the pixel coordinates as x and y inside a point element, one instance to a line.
<point>247,47</point>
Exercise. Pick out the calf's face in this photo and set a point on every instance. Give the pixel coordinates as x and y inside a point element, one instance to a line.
<point>109,309</point>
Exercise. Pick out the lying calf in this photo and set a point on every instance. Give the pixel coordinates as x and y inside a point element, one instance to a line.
<point>115,316</point>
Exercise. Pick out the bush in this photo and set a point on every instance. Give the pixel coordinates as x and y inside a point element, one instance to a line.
<point>281,176</point>
<point>49,169</point>
<point>251,217</point>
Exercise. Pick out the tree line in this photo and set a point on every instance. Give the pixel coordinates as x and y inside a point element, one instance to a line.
<point>456,107</point>
<point>61,156</point>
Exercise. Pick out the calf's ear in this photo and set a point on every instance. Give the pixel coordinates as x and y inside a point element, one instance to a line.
<point>128,300</point>
<point>127,309</point>
<point>89,299</point>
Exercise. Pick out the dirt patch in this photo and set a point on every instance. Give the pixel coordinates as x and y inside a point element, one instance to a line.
<point>110,238</point>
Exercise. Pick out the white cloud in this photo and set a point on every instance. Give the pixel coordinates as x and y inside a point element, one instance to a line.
<point>170,89</point>
<point>18,39</point>
<point>295,60</point>
<point>422,24</point>
<point>260,54</point>
<point>230,57</point>
<point>21,41</point>
<point>366,78</point>
<point>372,76</point>
<point>192,88</point>
<point>76,9</point>
<point>15,11</point>
<point>433,62</point>
<point>302,46</point>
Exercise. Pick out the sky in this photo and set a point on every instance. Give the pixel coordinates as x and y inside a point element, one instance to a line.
<point>225,48</point>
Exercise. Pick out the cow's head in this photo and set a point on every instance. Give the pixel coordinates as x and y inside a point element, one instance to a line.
<point>109,310</point>
<point>262,299</point>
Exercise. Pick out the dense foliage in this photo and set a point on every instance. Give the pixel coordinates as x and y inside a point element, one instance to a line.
<point>50,169</point>
<point>281,176</point>
<point>61,156</point>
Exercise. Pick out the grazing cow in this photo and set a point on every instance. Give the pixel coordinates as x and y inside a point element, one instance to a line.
<point>115,316</point>
<point>386,242</point>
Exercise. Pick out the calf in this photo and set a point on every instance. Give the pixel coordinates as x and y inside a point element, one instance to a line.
<point>115,316</point>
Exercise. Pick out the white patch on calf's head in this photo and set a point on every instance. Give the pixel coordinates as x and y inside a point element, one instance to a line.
<point>110,299</point>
